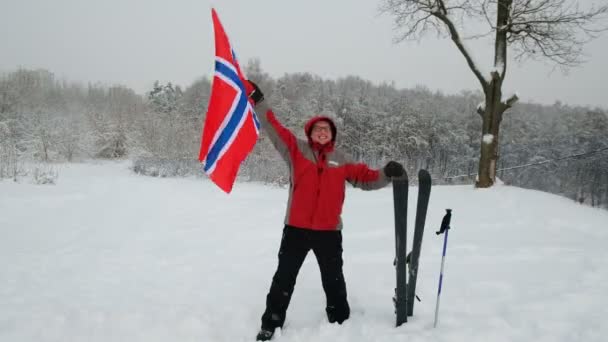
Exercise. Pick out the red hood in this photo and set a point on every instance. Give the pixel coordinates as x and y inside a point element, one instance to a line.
<point>311,122</point>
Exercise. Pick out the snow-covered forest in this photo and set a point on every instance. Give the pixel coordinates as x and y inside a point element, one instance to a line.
<point>47,120</point>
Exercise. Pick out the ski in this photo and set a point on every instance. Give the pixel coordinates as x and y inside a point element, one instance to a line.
<point>400,188</point>
<point>424,193</point>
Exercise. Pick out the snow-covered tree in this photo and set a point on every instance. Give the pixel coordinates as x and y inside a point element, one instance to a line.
<point>555,30</point>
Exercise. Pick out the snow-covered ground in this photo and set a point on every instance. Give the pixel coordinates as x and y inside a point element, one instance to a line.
<point>106,255</point>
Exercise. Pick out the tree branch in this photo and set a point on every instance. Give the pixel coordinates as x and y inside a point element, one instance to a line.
<point>553,29</point>
<point>455,36</point>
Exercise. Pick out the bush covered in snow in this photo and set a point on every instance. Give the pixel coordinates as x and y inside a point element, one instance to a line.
<point>165,167</point>
<point>44,174</point>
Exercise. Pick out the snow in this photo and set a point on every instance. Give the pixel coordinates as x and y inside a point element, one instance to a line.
<point>106,255</point>
<point>488,138</point>
<point>497,69</point>
<point>499,64</point>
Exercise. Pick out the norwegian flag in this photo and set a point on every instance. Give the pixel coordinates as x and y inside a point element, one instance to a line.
<point>231,127</point>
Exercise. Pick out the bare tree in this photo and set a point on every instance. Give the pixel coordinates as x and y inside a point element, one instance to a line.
<point>553,30</point>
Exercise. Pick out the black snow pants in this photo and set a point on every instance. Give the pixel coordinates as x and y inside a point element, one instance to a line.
<point>295,244</point>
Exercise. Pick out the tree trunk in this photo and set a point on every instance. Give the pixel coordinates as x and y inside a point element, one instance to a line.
<point>491,118</point>
<point>492,112</point>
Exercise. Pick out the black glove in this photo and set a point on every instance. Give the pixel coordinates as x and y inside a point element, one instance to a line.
<point>393,169</point>
<point>255,94</point>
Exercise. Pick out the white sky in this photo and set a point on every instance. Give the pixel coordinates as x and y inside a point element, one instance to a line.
<point>134,42</point>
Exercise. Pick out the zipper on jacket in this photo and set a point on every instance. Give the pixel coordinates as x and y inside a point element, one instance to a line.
<point>314,211</point>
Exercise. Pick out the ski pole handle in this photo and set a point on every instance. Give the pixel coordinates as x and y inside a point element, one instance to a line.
<point>445,222</point>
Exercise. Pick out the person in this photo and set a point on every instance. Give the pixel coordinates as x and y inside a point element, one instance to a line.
<point>318,172</point>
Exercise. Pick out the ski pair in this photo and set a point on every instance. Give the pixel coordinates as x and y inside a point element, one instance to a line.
<point>405,292</point>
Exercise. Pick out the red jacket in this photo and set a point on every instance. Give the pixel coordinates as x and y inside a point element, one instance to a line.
<point>318,174</point>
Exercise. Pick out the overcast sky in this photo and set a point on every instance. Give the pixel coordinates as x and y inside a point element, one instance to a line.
<point>134,42</point>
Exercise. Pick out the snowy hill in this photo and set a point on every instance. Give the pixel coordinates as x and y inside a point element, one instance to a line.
<point>106,255</point>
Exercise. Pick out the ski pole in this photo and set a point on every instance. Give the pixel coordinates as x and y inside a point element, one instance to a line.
<point>445,226</point>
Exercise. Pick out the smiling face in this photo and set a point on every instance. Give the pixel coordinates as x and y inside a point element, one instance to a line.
<point>321,132</point>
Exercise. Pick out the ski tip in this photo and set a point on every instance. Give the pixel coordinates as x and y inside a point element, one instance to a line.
<point>424,175</point>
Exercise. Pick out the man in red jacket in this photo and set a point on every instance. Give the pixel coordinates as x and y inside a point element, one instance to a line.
<point>312,222</point>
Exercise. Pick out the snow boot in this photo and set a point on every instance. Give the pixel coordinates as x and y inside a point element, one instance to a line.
<point>265,334</point>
